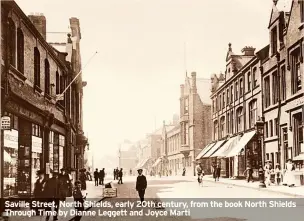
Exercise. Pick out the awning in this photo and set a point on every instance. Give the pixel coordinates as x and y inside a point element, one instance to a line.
<point>145,161</point>
<point>214,148</point>
<point>299,157</point>
<point>205,150</point>
<point>241,144</point>
<point>227,147</point>
<point>138,165</point>
<point>156,162</point>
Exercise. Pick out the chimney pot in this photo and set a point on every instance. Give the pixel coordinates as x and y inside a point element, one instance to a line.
<point>248,51</point>
<point>39,21</point>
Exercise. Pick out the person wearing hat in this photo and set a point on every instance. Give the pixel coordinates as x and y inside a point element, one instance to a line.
<point>39,188</point>
<point>79,199</point>
<point>52,193</point>
<point>141,184</point>
<point>64,181</point>
<point>267,172</point>
<point>289,177</point>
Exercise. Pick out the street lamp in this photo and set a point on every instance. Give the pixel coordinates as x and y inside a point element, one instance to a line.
<point>260,135</point>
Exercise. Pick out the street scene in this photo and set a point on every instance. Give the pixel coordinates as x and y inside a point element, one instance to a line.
<point>166,109</point>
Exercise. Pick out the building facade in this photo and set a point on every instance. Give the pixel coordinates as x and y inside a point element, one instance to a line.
<point>127,156</point>
<point>195,118</point>
<point>46,133</point>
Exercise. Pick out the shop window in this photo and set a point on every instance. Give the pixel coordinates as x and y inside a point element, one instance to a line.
<point>296,76</point>
<point>36,130</point>
<point>20,50</point>
<point>298,134</point>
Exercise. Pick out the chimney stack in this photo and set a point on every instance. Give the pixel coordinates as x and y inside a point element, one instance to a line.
<point>248,51</point>
<point>182,87</point>
<point>193,78</point>
<point>39,21</point>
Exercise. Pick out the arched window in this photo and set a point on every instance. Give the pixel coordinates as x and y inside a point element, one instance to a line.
<point>57,83</point>
<point>252,113</point>
<point>222,129</point>
<point>20,50</point>
<point>47,76</point>
<point>36,67</point>
<point>232,122</point>
<point>239,119</point>
<point>215,132</point>
<point>12,42</point>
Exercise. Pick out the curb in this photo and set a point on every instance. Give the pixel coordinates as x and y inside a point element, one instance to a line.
<point>259,189</point>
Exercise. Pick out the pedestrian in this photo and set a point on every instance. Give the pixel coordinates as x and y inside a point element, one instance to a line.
<point>278,174</point>
<point>120,174</point>
<point>249,172</point>
<point>52,194</point>
<point>96,176</point>
<point>267,172</point>
<point>117,173</point>
<point>64,181</point>
<point>184,172</point>
<point>101,176</point>
<point>114,174</point>
<point>141,185</point>
<point>200,173</point>
<point>130,172</point>
<point>289,178</point>
<point>39,189</point>
<point>79,200</point>
<point>83,179</point>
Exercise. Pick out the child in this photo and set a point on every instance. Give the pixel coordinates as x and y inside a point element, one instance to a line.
<point>278,174</point>
<point>79,199</point>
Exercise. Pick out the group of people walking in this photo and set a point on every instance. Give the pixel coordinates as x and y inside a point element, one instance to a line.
<point>118,174</point>
<point>99,176</point>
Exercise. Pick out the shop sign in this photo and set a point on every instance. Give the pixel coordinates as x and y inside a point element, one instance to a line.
<point>109,192</point>
<point>5,123</point>
<point>11,138</point>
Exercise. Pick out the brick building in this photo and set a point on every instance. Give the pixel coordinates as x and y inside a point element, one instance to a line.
<point>46,133</point>
<point>195,118</point>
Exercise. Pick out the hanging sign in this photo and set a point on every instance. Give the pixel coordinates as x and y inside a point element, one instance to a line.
<point>5,123</point>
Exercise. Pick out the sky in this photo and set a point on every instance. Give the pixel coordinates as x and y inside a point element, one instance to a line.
<point>144,48</point>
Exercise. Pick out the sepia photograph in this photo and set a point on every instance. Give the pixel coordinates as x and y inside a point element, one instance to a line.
<point>152,109</point>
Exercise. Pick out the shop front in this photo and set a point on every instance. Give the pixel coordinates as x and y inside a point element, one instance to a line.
<point>206,164</point>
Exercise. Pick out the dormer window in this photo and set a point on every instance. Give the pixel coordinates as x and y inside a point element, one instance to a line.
<point>274,41</point>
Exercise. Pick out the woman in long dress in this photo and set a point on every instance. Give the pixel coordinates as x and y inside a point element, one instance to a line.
<point>289,178</point>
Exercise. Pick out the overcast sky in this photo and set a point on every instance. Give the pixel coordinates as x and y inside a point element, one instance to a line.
<point>135,77</point>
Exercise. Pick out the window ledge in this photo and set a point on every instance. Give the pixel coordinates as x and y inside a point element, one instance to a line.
<point>37,89</point>
<point>273,138</point>
<point>47,96</point>
<point>17,73</point>
<point>301,26</point>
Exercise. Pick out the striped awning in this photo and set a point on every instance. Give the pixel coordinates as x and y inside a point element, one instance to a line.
<point>214,148</point>
<point>156,162</point>
<point>204,151</point>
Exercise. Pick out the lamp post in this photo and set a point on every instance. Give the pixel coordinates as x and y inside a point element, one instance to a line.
<point>260,135</point>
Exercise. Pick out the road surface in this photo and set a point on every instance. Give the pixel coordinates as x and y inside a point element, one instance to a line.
<point>168,190</point>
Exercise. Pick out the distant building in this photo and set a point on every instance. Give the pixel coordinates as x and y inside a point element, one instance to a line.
<point>127,156</point>
<point>195,119</point>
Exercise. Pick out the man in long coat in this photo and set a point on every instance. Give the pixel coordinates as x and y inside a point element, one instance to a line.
<point>141,185</point>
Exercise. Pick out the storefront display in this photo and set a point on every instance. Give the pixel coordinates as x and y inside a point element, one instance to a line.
<point>36,157</point>
<point>56,153</point>
<point>61,151</point>
<point>10,163</point>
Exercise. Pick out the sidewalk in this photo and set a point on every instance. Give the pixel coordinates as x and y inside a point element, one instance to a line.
<point>297,191</point>
<point>94,194</point>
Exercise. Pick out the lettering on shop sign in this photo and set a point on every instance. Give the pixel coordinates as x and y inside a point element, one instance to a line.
<point>5,123</point>
<point>22,111</point>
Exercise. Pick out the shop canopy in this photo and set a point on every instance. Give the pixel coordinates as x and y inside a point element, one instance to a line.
<point>156,162</point>
<point>227,147</point>
<point>144,162</point>
<point>204,151</point>
<point>241,144</point>
<point>214,148</point>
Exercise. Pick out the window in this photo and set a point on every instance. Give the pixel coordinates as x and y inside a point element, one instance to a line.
<point>224,100</point>
<point>213,106</point>
<point>220,102</point>
<point>252,113</point>
<point>36,67</point>
<point>186,106</point>
<point>267,92</point>
<point>186,133</point>
<point>266,129</point>
<point>278,158</point>
<point>271,128</point>
<point>298,134</point>
<point>287,149</point>
<point>20,51</point>
<point>228,102</point>
<point>231,94</point>
<point>302,10</point>
<point>276,127</point>
<point>222,127</point>
<point>57,83</point>
<point>254,78</point>
<point>295,71</point>
<point>283,83</point>
<point>47,76</point>
<point>241,87</point>
<point>215,132</point>
<point>36,130</point>
<point>232,122</point>
<point>236,91</point>
<point>275,88</point>
<point>239,118</point>
<point>228,123</point>
<point>249,81</point>
<point>274,41</point>
<point>12,42</point>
